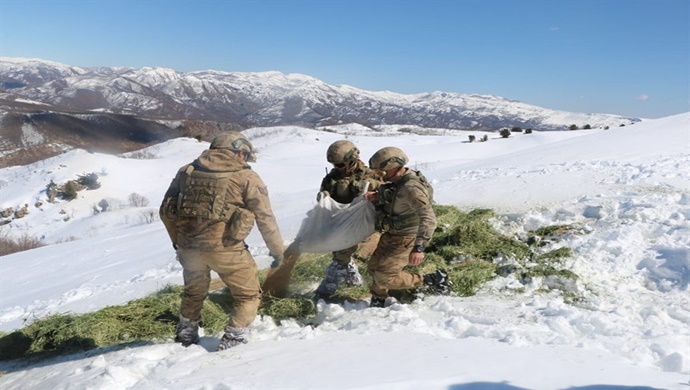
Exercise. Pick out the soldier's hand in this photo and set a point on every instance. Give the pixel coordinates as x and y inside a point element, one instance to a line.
<point>416,258</point>
<point>372,196</point>
<point>321,195</point>
<point>277,260</point>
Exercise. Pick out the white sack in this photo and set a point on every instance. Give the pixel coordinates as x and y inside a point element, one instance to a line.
<point>332,226</point>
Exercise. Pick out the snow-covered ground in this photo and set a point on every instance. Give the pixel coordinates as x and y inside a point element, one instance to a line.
<point>627,188</point>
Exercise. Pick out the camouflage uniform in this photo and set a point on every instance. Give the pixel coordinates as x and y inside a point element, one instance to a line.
<point>344,186</point>
<point>204,244</point>
<point>406,218</point>
<point>344,189</point>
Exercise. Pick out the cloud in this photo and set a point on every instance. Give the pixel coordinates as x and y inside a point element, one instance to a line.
<point>554,28</point>
<point>643,98</point>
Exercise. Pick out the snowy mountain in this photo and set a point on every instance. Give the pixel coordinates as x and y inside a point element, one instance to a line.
<point>47,108</point>
<point>268,99</point>
<point>625,188</point>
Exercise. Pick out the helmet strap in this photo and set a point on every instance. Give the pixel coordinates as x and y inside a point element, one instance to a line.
<point>351,164</point>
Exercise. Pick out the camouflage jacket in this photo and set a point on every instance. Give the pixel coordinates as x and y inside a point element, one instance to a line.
<point>244,190</point>
<point>344,188</point>
<point>404,207</point>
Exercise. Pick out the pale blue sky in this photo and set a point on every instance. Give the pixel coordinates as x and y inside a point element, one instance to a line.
<point>626,57</point>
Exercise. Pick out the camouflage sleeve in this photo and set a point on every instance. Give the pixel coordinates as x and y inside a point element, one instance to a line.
<point>427,219</point>
<point>256,199</point>
<point>375,178</point>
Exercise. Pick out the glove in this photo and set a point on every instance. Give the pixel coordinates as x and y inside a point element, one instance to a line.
<point>321,195</point>
<point>277,260</point>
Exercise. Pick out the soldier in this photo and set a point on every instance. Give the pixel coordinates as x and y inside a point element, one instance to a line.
<point>344,183</point>
<point>407,221</point>
<point>208,211</point>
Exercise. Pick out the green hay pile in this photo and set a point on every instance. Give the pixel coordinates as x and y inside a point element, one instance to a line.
<point>149,319</point>
<point>279,309</point>
<point>469,235</point>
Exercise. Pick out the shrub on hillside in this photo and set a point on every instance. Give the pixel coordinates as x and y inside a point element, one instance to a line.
<point>68,191</point>
<point>139,155</point>
<point>505,133</point>
<point>6,213</point>
<point>9,245</point>
<point>89,180</point>
<point>21,212</point>
<point>148,216</point>
<point>137,200</point>
<point>104,205</point>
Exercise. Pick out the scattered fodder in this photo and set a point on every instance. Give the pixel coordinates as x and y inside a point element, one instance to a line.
<point>470,235</point>
<point>149,319</point>
<point>299,308</point>
<point>309,271</point>
<point>472,251</point>
<point>551,230</point>
<point>468,276</point>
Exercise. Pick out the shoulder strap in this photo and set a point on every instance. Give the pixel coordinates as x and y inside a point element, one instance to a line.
<point>417,175</point>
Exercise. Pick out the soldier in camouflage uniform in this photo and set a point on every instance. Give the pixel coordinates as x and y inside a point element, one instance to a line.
<point>407,220</point>
<point>344,183</point>
<point>208,211</point>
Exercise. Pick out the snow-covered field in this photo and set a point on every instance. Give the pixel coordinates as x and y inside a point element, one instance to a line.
<point>627,188</point>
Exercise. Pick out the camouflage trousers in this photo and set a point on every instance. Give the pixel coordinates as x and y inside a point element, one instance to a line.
<point>363,250</point>
<point>387,262</point>
<point>237,269</point>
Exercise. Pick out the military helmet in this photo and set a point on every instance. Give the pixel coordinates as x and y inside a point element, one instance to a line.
<point>388,158</point>
<point>342,152</point>
<point>236,142</point>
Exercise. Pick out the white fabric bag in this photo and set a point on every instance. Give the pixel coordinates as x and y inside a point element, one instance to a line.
<point>332,226</point>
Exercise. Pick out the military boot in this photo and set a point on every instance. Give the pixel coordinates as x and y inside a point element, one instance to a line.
<point>336,274</point>
<point>233,337</point>
<point>187,332</point>
<point>353,277</point>
<point>377,301</point>
<point>437,282</point>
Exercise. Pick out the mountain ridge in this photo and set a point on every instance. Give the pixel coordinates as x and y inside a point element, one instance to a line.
<point>209,100</point>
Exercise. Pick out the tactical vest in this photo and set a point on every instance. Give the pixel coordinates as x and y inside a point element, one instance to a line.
<point>385,221</point>
<point>202,195</point>
<point>345,190</point>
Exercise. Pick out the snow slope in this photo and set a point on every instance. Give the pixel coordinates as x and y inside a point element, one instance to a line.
<point>628,189</point>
